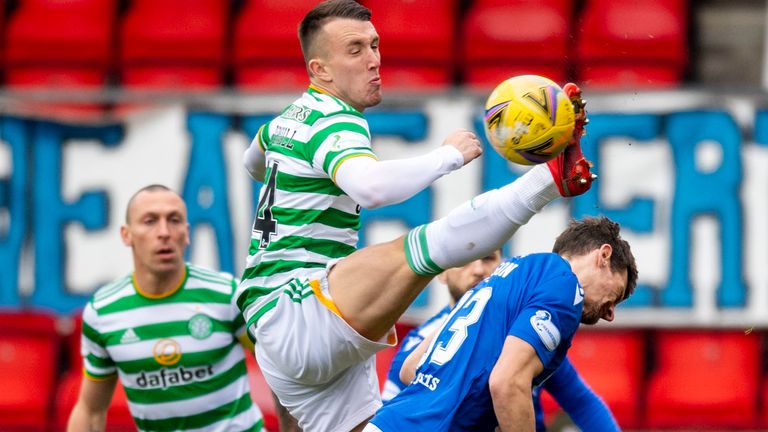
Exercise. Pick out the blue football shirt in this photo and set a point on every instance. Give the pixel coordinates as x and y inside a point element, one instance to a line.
<point>393,385</point>
<point>535,297</point>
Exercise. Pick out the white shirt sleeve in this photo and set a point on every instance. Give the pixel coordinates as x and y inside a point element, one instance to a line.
<point>373,183</point>
<point>254,160</point>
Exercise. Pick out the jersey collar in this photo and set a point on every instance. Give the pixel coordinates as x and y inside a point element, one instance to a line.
<point>151,296</point>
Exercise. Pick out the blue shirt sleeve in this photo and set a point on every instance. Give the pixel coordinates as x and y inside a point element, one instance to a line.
<point>585,407</point>
<point>549,319</point>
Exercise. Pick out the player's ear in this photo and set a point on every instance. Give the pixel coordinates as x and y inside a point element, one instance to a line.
<point>125,235</point>
<point>605,254</point>
<point>318,69</point>
<point>186,237</point>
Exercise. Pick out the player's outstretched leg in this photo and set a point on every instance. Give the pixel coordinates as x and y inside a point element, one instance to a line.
<point>374,286</point>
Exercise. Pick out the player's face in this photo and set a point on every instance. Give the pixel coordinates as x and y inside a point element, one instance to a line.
<point>605,291</point>
<point>460,279</point>
<point>157,231</point>
<point>350,56</point>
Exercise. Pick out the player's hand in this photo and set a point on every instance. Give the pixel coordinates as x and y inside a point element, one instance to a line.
<point>466,143</point>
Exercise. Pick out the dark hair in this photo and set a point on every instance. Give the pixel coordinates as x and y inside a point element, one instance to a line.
<point>317,17</point>
<point>149,188</point>
<point>588,234</point>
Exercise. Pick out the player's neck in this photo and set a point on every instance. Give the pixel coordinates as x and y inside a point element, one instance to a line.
<point>158,285</point>
<point>331,91</point>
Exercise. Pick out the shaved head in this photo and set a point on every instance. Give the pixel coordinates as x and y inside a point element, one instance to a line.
<point>314,21</point>
<point>150,188</point>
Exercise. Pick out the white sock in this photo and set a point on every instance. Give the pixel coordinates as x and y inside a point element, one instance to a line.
<point>481,225</point>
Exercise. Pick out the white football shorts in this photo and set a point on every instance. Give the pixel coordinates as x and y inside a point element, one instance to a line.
<point>321,369</point>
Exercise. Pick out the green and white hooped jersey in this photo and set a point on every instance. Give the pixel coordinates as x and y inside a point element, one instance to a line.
<point>177,356</point>
<point>303,220</point>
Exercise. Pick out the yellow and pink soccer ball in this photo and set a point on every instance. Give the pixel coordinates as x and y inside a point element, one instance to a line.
<point>529,119</point>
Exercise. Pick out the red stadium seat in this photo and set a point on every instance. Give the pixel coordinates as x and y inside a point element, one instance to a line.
<point>704,379</point>
<point>55,43</point>
<point>514,37</point>
<point>765,402</point>
<point>261,393</point>
<point>29,352</point>
<point>550,407</point>
<point>118,417</point>
<point>418,42</point>
<point>174,44</point>
<point>3,26</point>
<point>632,44</point>
<point>383,361</point>
<point>62,45</point>
<point>266,49</point>
<point>612,363</point>
<point>384,357</point>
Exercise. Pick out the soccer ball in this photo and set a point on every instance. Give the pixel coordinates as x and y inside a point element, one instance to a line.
<point>528,119</point>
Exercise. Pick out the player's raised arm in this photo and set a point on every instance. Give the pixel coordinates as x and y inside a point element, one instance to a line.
<point>408,371</point>
<point>374,183</point>
<point>254,158</point>
<point>510,385</point>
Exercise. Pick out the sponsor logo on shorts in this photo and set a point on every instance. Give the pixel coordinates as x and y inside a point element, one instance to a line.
<point>167,352</point>
<point>200,326</point>
<point>542,323</point>
<point>427,380</point>
<point>165,378</point>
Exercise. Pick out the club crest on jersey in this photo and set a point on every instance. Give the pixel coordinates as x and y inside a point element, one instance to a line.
<point>542,323</point>
<point>200,326</point>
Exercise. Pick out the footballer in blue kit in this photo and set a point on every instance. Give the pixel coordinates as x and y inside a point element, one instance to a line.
<point>587,410</point>
<point>510,333</point>
<point>536,298</point>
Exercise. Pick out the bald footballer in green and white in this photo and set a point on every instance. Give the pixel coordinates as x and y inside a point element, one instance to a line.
<point>171,332</point>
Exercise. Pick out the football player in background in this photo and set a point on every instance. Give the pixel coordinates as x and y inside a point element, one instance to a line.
<point>317,309</point>
<point>170,330</point>
<point>510,333</point>
<point>585,408</point>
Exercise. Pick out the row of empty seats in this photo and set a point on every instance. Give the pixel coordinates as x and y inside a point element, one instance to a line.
<point>252,44</point>
<point>667,379</point>
<point>651,379</point>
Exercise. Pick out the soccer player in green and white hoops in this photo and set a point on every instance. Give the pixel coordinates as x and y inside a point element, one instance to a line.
<point>170,330</point>
<point>318,309</point>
